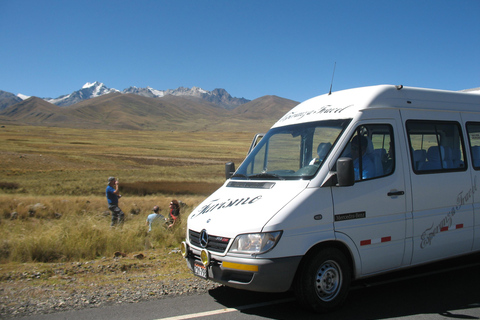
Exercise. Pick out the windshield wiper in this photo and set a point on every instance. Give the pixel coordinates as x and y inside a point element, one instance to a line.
<point>239,175</point>
<point>266,175</point>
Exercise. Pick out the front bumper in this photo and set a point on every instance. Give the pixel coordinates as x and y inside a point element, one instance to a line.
<point>255,274</point>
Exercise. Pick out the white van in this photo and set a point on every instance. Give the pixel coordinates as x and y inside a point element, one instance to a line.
<point>345,186</point>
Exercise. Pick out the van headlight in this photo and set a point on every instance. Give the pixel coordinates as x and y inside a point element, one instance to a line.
<point>255,243</point>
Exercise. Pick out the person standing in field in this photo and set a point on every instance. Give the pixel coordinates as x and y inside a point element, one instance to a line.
<point>174,214</point>
<point>154,218</point>
<point>113,194</point>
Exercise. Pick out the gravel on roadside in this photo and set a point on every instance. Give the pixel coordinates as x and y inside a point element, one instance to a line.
<point>71,286</point>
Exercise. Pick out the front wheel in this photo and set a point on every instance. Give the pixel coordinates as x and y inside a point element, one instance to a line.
<point>323,280</point>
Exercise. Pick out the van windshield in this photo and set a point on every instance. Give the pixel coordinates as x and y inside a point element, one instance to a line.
<point>292,152</point>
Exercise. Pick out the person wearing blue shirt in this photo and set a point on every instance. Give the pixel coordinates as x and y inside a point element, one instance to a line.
<point>113,194</point>
<point>361,158</point>
<point>154,218</point>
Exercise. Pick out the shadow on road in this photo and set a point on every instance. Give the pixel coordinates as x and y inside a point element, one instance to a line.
<point>442,289</point>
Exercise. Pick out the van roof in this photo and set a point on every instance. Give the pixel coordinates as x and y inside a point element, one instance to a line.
<point>346,103</point>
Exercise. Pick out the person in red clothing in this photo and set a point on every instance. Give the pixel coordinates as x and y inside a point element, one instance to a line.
<point>174,215</point>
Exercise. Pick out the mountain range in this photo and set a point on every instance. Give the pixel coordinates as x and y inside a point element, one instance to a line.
<point>92,90</point>
<point>182,109</point>
<point>97,106</point>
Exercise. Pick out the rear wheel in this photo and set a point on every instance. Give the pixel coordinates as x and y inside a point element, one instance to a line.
<point>323,280</point>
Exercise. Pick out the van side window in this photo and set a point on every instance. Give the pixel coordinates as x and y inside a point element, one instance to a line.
<point>436,146</point>
<point>473,129</point>
<point>372,151</point>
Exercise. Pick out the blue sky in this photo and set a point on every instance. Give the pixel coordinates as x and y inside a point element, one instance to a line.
<point>250,48</point>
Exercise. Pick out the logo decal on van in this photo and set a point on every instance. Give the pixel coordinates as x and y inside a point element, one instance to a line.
<point>446,223</point>
<point>324,109</point>
<point>350,216</point>
<point>203,239</point>
<point>217,204</point>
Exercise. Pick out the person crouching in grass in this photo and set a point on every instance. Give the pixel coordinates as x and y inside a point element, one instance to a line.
<point>154,218</point>
<point>174,214</point>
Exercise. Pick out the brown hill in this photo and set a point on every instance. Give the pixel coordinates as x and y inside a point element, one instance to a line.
<point>129,111</point>
<point>34,111</point>
<point>8,99</point>
<point>266,106</point>
<point>192,105</point>
<point>134,112</point>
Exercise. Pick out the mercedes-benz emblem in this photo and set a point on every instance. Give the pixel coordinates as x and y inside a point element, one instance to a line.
<point>203,238</point>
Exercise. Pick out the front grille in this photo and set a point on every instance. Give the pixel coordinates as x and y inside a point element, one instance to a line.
<point>215,243</point>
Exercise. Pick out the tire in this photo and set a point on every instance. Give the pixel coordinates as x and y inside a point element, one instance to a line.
<point>323,280</point>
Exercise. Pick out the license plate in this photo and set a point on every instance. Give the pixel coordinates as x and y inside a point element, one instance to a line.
<point>200,270</point>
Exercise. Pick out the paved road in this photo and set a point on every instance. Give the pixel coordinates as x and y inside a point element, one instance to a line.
<point>444,291</point>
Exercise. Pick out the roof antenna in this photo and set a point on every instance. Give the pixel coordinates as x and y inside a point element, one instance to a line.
<point>331,83</point>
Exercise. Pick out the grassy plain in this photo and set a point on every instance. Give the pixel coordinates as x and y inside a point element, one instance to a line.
<point>52,187</point>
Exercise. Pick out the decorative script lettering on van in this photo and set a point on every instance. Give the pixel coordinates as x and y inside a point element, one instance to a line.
<point>462,198</point>
<point>322,110</point>
<point>218,204</point>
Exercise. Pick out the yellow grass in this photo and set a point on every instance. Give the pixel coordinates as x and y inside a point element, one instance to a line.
<point>52,161</point>
<point>52,187</point>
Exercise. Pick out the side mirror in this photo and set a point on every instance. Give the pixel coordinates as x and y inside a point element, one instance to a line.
<point>229,170</point>
<point>345,173</point>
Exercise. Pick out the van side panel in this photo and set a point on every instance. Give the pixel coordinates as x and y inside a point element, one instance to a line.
<point>442,207</point>
<point>472,125</point>
<point>372,212</point>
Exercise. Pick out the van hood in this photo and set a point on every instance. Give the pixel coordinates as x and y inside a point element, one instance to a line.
<point>243,206</point>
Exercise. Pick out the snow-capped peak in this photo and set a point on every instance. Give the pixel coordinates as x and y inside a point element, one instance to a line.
<point>93,84</point>
<point>22,96</point>
<point>88,91</point>
<point>200,90</point>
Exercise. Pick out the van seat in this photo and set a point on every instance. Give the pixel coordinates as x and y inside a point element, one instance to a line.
<point>376,157</point>
<point>419,157</point>
<point>323,149</point>
<point>381,155</point>
<point>453,158</point>
<point>435,158</point>
<point>457,158</point>
<point>448,157</point>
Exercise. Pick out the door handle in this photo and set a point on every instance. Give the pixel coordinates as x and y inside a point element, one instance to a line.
<point>395,193</point>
